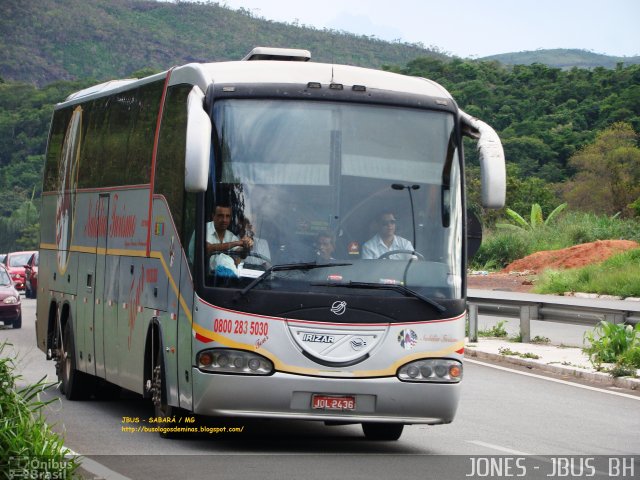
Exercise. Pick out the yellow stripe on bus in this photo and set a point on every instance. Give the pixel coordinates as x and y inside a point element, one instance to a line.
<point>131,253</point>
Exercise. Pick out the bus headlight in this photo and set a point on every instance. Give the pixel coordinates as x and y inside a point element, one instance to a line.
<point>233,361</point>
<point>441,370</point>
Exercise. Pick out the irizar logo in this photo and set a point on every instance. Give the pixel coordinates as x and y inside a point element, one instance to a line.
<point>358,343</point>
<point>339,307</point>
<point>318,338</point>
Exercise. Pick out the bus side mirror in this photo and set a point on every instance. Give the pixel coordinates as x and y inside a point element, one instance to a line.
<point>492,168</point>
<point>198,148</point>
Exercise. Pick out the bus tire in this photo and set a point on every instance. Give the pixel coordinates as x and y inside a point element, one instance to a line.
<point>382,431</point>
<point>162,409</point>
<point>75,385</point>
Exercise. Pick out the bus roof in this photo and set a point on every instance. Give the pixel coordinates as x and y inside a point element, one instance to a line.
<point>272,72</point>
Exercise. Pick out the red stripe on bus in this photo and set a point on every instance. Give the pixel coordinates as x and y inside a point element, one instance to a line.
<point>153,159</point>
<point>203,339</point>
<point>461,351</point>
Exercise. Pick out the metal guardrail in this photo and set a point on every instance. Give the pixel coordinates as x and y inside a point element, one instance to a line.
<point>527,307</point>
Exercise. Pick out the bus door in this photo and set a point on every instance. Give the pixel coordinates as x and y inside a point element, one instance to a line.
<point>105,297</point>
<point>89,301</point>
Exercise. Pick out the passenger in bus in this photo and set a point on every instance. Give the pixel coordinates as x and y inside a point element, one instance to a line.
<point>386,240</point>
<point>219,239</point>
<point>325,246</point>
<point>260,254</point>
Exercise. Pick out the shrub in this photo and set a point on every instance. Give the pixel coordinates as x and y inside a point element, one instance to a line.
<point>613,343</point>
<point>501,249</point>
<point>28,446</point>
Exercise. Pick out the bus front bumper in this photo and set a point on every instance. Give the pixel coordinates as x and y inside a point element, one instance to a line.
<point>283,395</point>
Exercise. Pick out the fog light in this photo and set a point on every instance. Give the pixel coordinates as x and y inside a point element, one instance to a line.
<point>205,359</point>
<point>439,370</point>
<point>226,360</point>
<point>223,360</point>
<point>254,364</point>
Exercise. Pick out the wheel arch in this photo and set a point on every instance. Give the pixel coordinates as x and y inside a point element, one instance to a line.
<point>64,311</point>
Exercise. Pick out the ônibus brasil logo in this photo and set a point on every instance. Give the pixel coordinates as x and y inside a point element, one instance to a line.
<point>67,186</point>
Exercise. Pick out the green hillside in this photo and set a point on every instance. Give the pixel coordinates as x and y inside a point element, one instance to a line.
<point>48,40</point>
<point>546,116</point>
<point>562,58</point>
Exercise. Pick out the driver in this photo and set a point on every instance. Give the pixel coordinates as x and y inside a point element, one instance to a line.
<point>386,240</point>
<point>219,239</point>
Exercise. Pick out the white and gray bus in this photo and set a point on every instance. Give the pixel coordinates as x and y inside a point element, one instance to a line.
<point>368,327</point>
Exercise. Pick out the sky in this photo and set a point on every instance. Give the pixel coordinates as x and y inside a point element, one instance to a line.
<point>471,29</point>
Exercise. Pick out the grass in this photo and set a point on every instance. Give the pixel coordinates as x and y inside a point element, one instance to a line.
<point>28,446</point>
<point>618,275</point>
<point>496,331</point>
<point>513,353</point>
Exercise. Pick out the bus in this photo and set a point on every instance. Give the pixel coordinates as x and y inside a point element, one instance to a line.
<point>352,182</point>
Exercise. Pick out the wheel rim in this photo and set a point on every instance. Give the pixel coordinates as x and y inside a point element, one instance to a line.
<point>66,361</point>
<point>160,408</point>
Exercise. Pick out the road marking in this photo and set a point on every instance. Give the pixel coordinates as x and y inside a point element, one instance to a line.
<point>555,380</point>
<point>498,448</point>
<point>99,470</point>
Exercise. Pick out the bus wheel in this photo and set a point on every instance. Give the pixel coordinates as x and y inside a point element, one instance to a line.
<point>382,431</point>
<point>162,409</point>
<point>74,384</point>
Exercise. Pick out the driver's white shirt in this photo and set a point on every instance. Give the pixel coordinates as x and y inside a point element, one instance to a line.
<point>212,237</point>
<point>375,247</point>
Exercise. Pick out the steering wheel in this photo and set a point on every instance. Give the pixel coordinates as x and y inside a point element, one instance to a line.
<point>386,255</point>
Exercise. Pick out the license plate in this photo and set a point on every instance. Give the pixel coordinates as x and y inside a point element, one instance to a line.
<point>326,402</point>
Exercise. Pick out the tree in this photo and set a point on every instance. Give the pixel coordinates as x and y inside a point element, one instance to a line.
<point>608,173</point>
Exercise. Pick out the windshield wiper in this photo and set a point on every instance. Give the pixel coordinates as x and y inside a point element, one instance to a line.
<point>284,267</point>
<point>385,286</point>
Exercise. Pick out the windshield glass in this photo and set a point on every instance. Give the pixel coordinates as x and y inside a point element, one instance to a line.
<point>4,277</point>
<point>374,188</point>
<point>19,260</point>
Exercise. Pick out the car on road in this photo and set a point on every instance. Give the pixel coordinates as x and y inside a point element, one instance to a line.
<point>10,306</point>
<point>15,262</point>
<point>31,276</point>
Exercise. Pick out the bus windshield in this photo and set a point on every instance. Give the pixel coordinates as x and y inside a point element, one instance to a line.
<point>368,194</point>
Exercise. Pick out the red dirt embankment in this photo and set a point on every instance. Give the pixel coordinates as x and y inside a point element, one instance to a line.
<point>519,276</point>
<point>572,257</point>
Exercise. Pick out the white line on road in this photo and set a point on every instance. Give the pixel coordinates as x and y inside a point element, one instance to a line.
<point>556,380</point>
<point>498,448</point>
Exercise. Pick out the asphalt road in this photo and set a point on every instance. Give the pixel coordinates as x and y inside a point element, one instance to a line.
<point>502,412</point>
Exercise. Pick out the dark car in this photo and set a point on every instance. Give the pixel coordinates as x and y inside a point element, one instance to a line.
<point>31,276</point>
<point>10,306</point>
<point>15,262</point>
